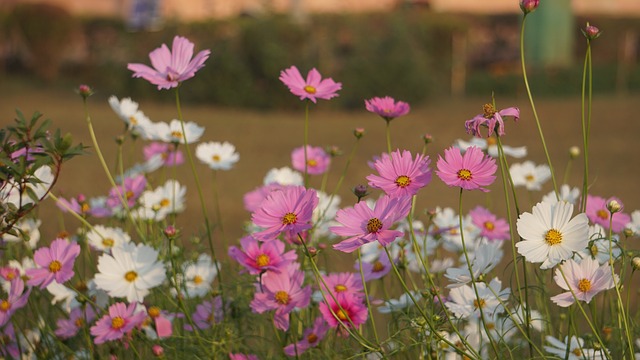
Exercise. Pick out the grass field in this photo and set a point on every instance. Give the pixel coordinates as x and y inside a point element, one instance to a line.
<point>265,140</point>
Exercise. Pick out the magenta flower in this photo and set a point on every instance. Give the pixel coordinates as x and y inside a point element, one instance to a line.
<point>350,310</point>
<point>168,152</point>
<point>288,210</point>
<point>258,257</point>
<point>341,284</point>
<point>528,6</point>
<point>490,226</point>
<point>400,175</point>
<point>16,299</point>
<point>491,119</point>
<point>376,269</point>
<point>363,225</point>
<point>585,280</point>
<point>239,356</point>
<point>310,338</point>
<point>208,313</point>
<point>55,263</point>
<point>318,160</point>
<point>598,213</point>
<point>313,88</point>
<point>120,320</point>
<point>282,292</point>
<point>387,107</point>
<point>170,68</point>
<point>130,191</point>
<point>9,346</point>
<point>254,198</point>
<point>470,172</point>
<point>68,328</point>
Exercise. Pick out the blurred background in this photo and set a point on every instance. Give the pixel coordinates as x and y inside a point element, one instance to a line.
<point>444,57</point>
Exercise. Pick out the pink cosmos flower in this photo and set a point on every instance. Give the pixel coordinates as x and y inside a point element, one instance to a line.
<point>120,320</point>
<point>239,356</point>
<point>130,190</point>
<point>470,172</point>
<point>492,119</point>
<point>258,257</point>
<point>282,292</point>
<point>55,263</point>
<point>208,313</point>
<point>170,68</point>
<point>387,107</point>
<point>170,155</point>
<point>363,225</point>
<point>376,269</point>
<point>399,174</point>
<point>490,226</point>
<point>598,213</point>
<point>342,283</point>
<point>68,328</point>
<point>254,198</point>
<point>313,88</point>
<point>310,338</point>
<point>318,160</point>
<point>161,321</point>
<point>585,279</point>
<point>288,210</point>
<point>16,299</point>
<point>351,311</point>
<point>9,348</point>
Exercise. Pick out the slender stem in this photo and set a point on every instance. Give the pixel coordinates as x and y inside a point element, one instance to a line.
<point>306,141</point>
<point>366,297</point>
<point>388,131</point>
<point>533,107</point>
<point>586,72</point>
<point>619,301</point>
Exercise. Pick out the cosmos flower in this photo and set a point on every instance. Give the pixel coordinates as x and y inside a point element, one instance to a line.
<point>343,283</point>
<point>105,238</point>
<point>130,191</point>
<point>218,156</point>
<point>78,318</point>
<point>55,263</point>
<point>492,119</point>
<point>120,320</point>
<point>566,193</point>
<point>572,349</point>
<point>27,232</point>
<point>349,311</point>
<point>490,146</point>
<point>598,213</point>
<point>485,258</point>
<point>254,198</point>
<point>136,121</point>
<point>171,67</point>
<point>375,269</point>
<point>168,153</point>
<point>396,305</point>
<point>318,160</point>
<point>529,175</point>
<point>550,235</point>
<point>313,88</point>
<point>311,337</point>
<point>207,313</point>
<point>586,279</point>
<point>288,210</point>
<point>283,176</point>
<point>490,226</point>
<point>20,194</point>
<point>172,132</point>
<point>387,107</point>
<point>196,277</point>
<point>257,257</point>
<point>471,171</point>
<point>362,225</point>
<point>164,200</point>
<point>15,299</point>
<point>400,175</point>
<point>464,303</point>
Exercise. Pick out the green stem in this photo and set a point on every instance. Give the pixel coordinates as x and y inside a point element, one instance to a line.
<point>388,131</point>
<point>306,141</point>
<point>619,301</point>
<point>586,123</point>
<point>366,297</point>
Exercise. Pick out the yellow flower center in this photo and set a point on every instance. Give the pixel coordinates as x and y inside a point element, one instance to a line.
<point>197,280</point>
<point>488,110</point>
<point>5,305</point>
<point>490,326</point>
<point>282,297</point>
<point>491,141</point>
<point>129,194</point>
<point>342,315</point>
<point>553,237</point>
<point>312,163</point>
<point>489,225</point>
<point>55,266</point>
<point>340,288</point>
<point>464,174</point>
<point>577,352</point>
<point>176,134</point>
<point>132,120</point>
<point>374,225</point>
<point>164,202</point>
<point>403,181</point>
<point>377,266</point>
<point>108,242</point>
<point>79,322</point>
<point>594,250</point>
<point>602,214</point>
<point>154,312</point>
<point>289,219</point>
<point>215,158</point>
<point>131,276</point>
<point>479,303</point>
<point>85,208</point>
<point>584,285</point>
<point>262,260</point>
<point>311,338</point>
<point>310,89</point>
<point>117,323</point>
<point>530,178</point>
<point>11,275</point>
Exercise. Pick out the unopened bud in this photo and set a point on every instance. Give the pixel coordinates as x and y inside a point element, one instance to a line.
<point>170,231</point>
<point>334,151</point>
<point>360,191</point>
<point>591,32</point>
<point>528,6</point>
<point>627,232</point>
<point>312,251</point>
<point>157,350</point>
<point>635,263</point>
<point>427,138</point>
<point>574,152</point>
<point>358,132</point>
<point>85,91</point>
<point>614,206</point>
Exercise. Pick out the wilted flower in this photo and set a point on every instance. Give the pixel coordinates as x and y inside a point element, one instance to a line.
<point>492,119</point>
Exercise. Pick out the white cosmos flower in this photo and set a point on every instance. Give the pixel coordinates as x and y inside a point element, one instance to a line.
<point>486,257</point>
<point>490,146</point>
<point>465,304</point>
<point>550,235</point>
<point>575,347</point>
<point>601,248</point>
<point>529,175</point>
<point>447,224</point>
<point>325,213</point>
<point>164,200</point>
<point>196,277</point>
<point>69,297</point>
<point>28,230</point>
<point>27,263</point>
<point>17,195</point>
<point>172,132</point>
<point>634,225</point>
<point>283,176</point>
<point>566,194</point>
<point>136,120</point>
<point>218,156</point>
<point>130,271</point>
<point>403,302</point>
<point>105,238</point>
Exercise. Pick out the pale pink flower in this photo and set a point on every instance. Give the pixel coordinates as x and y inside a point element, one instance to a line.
<point>310,338</point>
<point>78,318</point>
<point>472,171</point>
<point>490,226</point>
<point>208,313</point>
<point>130,191</point>
<point>257,257</point>
<point>598,213</point>
<point>239,356</point>
<point>15,299</point>
<point>318,160</point>
<point>400,175</point>
<point>254,198</point>
<point>314,87</point>
<point>288,210</point>
<point>492,119</point>
<point>171,67</point>
<point>120,320</point>
<point>387,107</point>
<point>586,279</point>
<point>55,263</point>
<point>340,284</point>
<point>169,154</point>
<point>376,269</point>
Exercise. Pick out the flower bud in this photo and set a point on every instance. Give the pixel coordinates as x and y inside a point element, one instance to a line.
<point>360,191</point>
<point>358,133</point>
<point>528,6</point>
<point>157,350</point>
<point>334,151</point>
<point>170,231</point>
<point>427,138</point>
<point>85,91</point>
<point>627,232</point>
<point>574,152</point>
<point>614,206</point>
<point>591,32</point>
<point>635,263</point>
